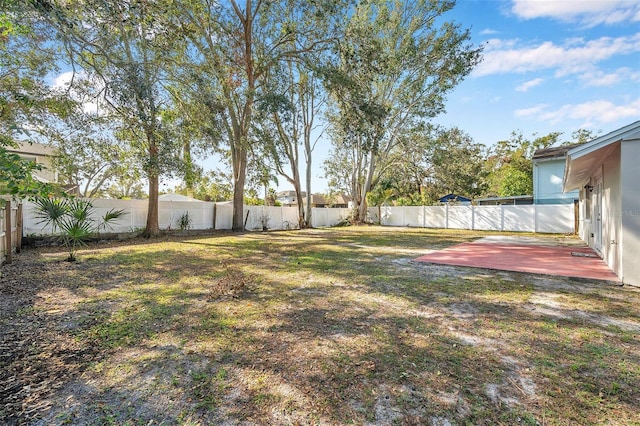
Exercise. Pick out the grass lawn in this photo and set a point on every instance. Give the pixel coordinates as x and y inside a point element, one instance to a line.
<point>332,326</point>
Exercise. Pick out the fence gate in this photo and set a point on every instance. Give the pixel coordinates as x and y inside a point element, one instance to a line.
<point>10,230</point>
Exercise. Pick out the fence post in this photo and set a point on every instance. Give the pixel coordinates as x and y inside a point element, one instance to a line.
<point>473,218</point>
<point>501,217</point>
<point>215,213</point>
<point>446,216</point>
<point>7,233</point>
<point>19,228</point>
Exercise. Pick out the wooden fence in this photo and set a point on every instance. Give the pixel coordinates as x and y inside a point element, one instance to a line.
<point>10,230</point>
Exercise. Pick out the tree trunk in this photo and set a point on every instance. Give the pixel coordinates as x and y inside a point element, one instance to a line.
<point>362,208</point>
<point>239,177</point>
<point>307,217</point>
<point>152,228</point>
<point>299,199</point>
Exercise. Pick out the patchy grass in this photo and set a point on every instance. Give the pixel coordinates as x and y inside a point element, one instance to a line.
<point>329,326</point>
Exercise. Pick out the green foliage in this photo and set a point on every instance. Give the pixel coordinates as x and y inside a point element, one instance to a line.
<point>72,219</point>
<point>253,201</point>
<point>510,165</point>
<point>427,164</point>
<point>16,177</point>
<point>185,221</point>
<point>392,70</point>
<point>89,156</point>
<point>24,97</point>
<point>125,50</point>
<point>213,186</point>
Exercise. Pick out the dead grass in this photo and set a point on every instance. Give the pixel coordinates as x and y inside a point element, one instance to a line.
<point>310,327</point>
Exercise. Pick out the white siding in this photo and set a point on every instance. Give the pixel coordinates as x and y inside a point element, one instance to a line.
<point>547,183</point>
<point>628,216</point>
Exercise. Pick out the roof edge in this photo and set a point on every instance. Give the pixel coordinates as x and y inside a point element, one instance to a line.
<point>628,132</point>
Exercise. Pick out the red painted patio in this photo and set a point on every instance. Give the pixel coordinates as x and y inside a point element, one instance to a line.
<point>531,257</point>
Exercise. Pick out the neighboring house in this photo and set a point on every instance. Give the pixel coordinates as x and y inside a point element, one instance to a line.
<point>39,154</point>
<point>455,199</point>
<point>605,172</point>
<point>288,199</point>
<point>338,201</point>
<point>513,200</point>
<point>548,173</point>
<point>172,196</point>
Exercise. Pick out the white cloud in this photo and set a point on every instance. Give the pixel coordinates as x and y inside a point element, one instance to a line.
<point>488,31</point>
<point>598,78</point>
<point>529,84</point>
<point>526,112</point>
<point>589,13</point>
<point>507,57</point>
<point>62,82</point>
<point>592,112</point>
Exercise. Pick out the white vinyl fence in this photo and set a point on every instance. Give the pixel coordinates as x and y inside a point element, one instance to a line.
<point>550,218</point>
<point>208,215</point>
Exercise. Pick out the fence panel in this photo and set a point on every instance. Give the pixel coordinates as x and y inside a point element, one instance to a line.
<point>271,217</point>
<point>135,217</point>
<point>460,217</point>
<point>224,216</point>
<point>487,218</point>
<point>392,216</point>
<point>519,218</point>
<point>323,217</point>
<point>319,217</point>
<point>290,217</point>
<point>413,216</point>
<point>555,218</point>
<point>435,217</point>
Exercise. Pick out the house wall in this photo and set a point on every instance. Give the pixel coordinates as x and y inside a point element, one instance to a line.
<point>39,154</point>
<point>629,213</point>
<point>584,217</point>
<point>611,204</point>
<point>547,183</point>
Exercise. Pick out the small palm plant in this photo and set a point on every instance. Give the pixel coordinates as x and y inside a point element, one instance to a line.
<point>72,219</point>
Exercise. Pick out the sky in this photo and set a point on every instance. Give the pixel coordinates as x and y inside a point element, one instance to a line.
<point>548,66</point>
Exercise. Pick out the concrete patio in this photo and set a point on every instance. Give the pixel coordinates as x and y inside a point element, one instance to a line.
<point>566,257</point>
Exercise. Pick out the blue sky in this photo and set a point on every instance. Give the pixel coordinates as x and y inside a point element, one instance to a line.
<point>548,66</point>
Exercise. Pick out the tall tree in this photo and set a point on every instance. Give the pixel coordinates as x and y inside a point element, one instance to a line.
<point>457,166</point>
<point>288,117</point>
<point>122,45</point>
<point>510,164</point>
<point>234,45</point>
<point>25,98</point>
<point>88,155</point>
<point>212,186</point>
<point>427,163</point>
<point>392,69</point>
